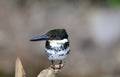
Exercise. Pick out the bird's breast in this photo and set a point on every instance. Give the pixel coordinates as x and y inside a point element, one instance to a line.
<point>57,43</point>
<point>57,49</point>
<point>57,53</point>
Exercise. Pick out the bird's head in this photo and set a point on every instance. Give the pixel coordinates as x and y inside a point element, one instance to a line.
<point>55,34</point>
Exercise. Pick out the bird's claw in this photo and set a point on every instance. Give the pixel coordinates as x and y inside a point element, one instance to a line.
<point>60,66</point>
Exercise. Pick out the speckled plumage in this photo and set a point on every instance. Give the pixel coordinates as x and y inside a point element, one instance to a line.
<point>57,50</point>
<point>57,44</point>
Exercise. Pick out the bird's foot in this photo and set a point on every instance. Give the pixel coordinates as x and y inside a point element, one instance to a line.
<point>60,66</point>
<point>53,66</point>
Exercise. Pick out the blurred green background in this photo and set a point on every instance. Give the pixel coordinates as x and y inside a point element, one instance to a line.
<point>93,27</point>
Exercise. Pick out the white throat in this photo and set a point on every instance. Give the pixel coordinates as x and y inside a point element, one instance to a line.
<point>57,43</point>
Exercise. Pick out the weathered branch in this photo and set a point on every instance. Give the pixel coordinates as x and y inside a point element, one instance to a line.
<point>49,72</point>
<point>19,70</point>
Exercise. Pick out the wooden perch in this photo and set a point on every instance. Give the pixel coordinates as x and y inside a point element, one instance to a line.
<point>49,72</point>
<point>19,70</point>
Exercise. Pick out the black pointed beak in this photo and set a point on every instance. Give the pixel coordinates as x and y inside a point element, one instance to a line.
<point>40,38</point>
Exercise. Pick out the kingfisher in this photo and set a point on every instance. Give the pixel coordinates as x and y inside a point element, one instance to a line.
<point>56,46</point>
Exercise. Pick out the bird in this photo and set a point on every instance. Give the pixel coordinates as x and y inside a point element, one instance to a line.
<point>57,44</point>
